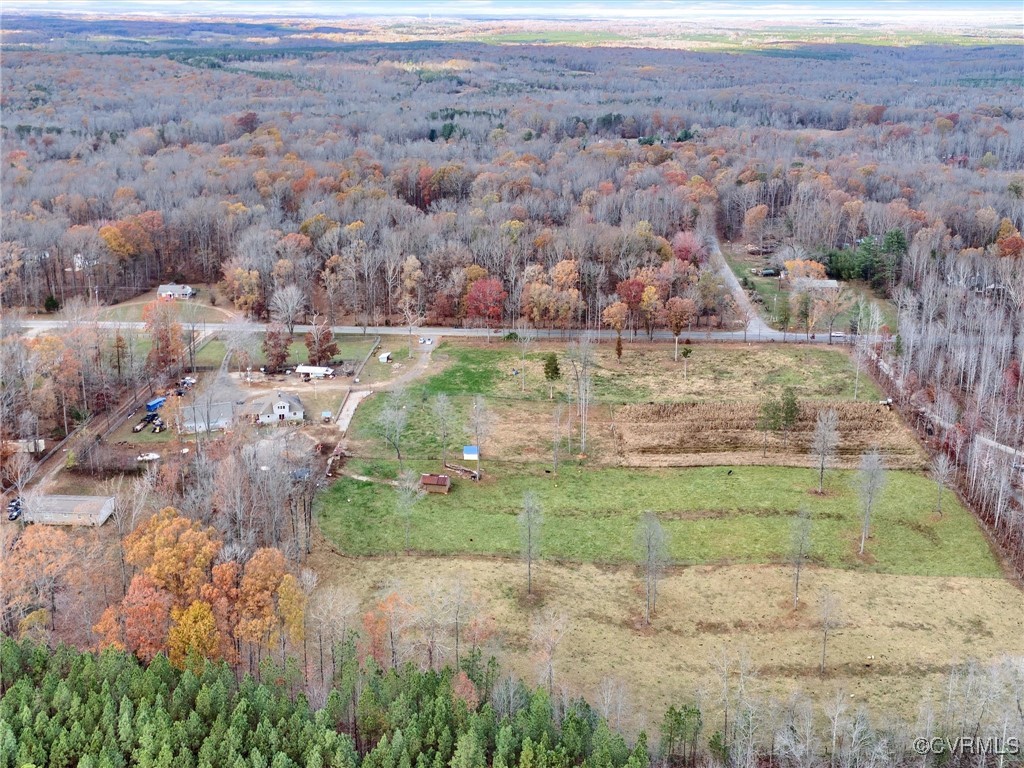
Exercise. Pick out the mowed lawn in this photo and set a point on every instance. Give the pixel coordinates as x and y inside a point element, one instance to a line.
<point>711,516</point>
<point>351,349</point>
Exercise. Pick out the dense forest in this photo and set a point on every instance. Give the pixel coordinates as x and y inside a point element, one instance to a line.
<point>60,707</point>
<point>64,708</point>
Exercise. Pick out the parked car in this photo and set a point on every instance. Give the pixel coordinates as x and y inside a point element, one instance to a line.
<point>150,417</point>
<point>14,508</point>
<point>147,457</point>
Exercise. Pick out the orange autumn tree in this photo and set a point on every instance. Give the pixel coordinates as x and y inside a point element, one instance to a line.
<point>615,317</point>
<point>257,593</point>
<point>36,568</point>
<point>386,625</point>
<point>797,268</point>
<point>194,634</point>
<point>177,553</point>
<point>181,603</point>
<point>291,602</point>
<point>145,613</point>
<point>221,594</point>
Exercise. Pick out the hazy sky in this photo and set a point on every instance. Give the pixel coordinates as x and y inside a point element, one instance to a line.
<point>930,12</point>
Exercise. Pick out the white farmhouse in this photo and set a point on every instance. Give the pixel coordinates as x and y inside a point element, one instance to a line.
<point>275,409</point>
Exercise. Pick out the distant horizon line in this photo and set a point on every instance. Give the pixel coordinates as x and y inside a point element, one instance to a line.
<point>765,13</point>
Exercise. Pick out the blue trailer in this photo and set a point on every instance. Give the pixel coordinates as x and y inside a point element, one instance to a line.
<point>154,405</point>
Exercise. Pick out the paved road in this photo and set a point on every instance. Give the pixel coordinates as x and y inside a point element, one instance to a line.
<point>754,332</point>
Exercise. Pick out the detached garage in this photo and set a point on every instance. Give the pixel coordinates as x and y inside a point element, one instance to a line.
<point>68,510</point>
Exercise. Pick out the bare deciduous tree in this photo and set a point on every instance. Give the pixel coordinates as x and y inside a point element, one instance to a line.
<point>941,472</point>
<point>460,609</point>
<point>480,425</point>
<point>556,435</point>
<point>433,621</point>
<point>799,548</point>
<point>444,418</point>
<point>409,492</point>
<point>870,483</point>
<point>332,612</point>
<point>393,419</point>
<point>581,356</point>
<point>828,619</point>
<point>546,635</point>
<point>525,339</point>
<point>652,553</point>
<point>798,739</point>
<point>824,441</point>
<point>530,520</point>
<point>287,305</point>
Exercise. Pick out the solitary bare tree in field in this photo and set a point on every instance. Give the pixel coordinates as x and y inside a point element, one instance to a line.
<point>480,426</point>
<point>530,520</point>
<point>556,435</point>
<point>800,545</point>
<point>829,619</point>
<point>941,473</point>
<point>444,417</point>
<point>870,482</point>
<point>652,552</point>
<point>526,337</point>
<point>409,493</point>
<point>392,421</point>
<point>824,442</point>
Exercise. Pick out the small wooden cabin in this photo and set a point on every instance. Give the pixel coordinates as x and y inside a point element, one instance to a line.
<point>435,483</point>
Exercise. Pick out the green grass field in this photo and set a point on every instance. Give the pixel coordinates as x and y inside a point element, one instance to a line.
<point>646,373</point>
<point>350,348</point>
<point>188,312</point>
<point>711,517</point>
<point>722,373</point>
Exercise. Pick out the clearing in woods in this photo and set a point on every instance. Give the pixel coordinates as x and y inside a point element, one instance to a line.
<point>681,442</point>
